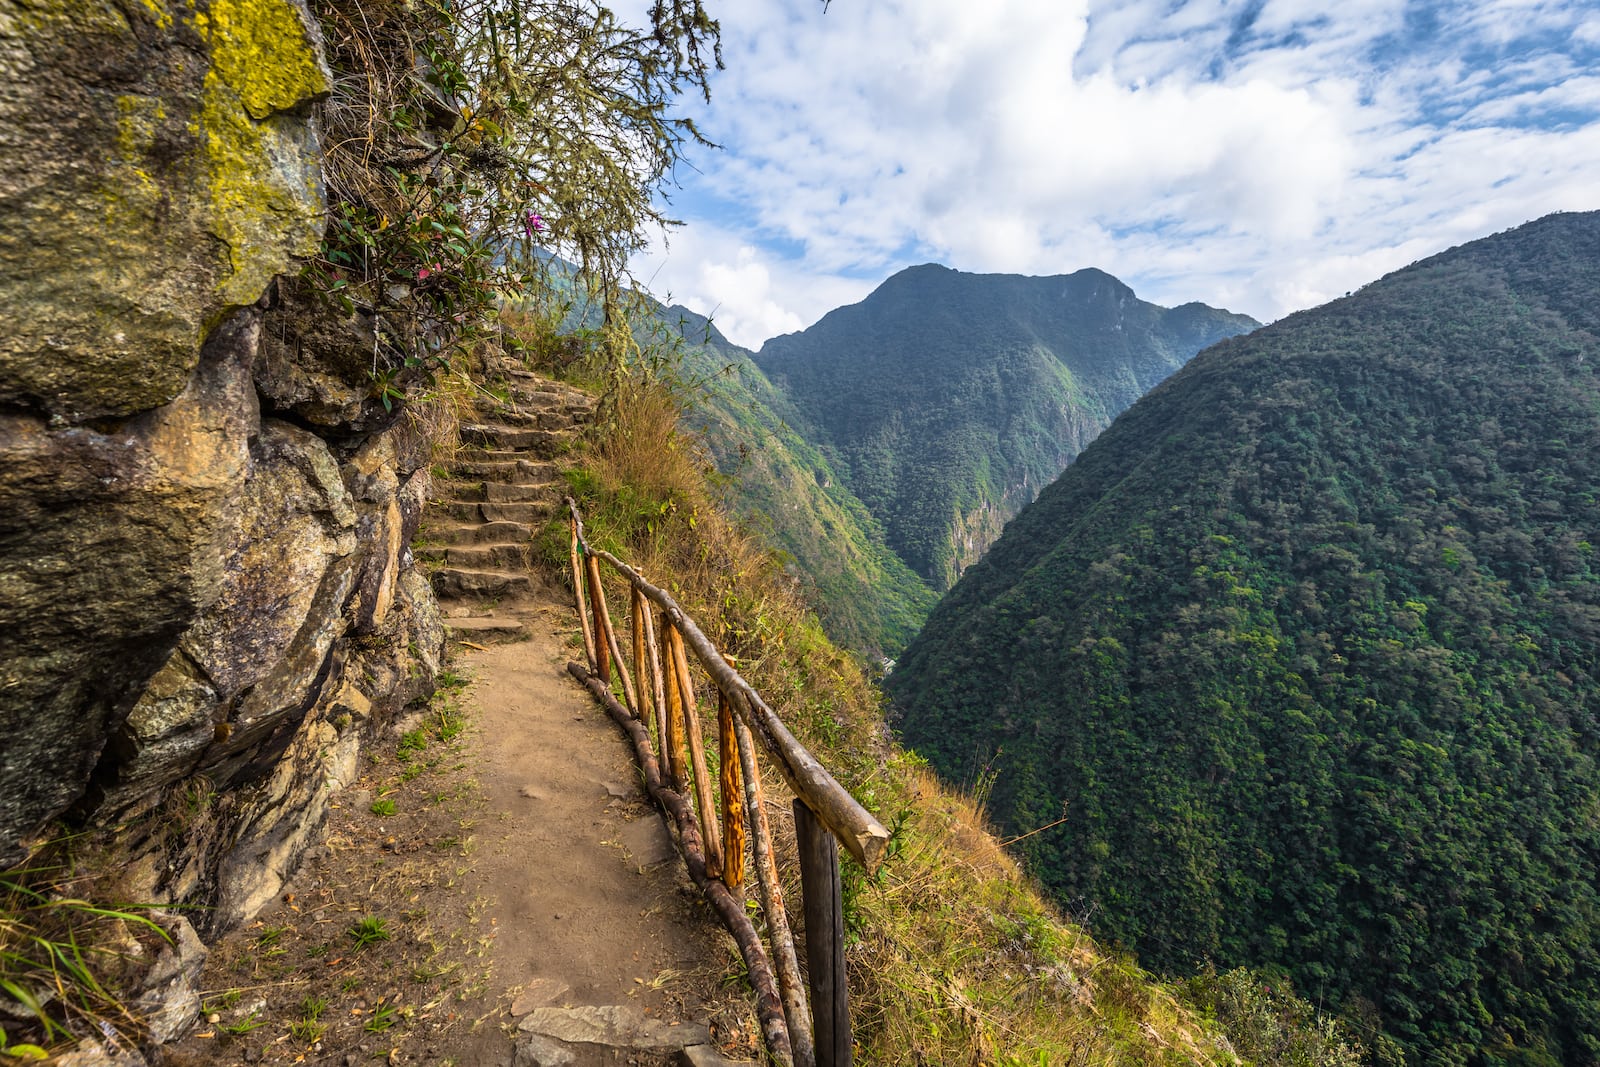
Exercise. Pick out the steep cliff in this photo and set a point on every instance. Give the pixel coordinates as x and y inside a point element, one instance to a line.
<point>204,578</point>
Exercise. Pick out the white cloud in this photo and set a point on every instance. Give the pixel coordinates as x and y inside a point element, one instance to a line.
<point>1261,156</point>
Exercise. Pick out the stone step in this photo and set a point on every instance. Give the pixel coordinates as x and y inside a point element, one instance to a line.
<point>486,628</point>
<point>534,512</point>
<point>457,583</point>
<point>602,1035</point>
<point>535,418</point>
<point>497,492</point>
<point>539,442</point>
<point>478,557</point>
<point>505,467</point>
<point>481,533</point>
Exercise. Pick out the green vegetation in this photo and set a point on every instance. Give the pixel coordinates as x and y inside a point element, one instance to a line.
<point>867,597</point>
<point>946,401</point>
<point>369,930</point>
<point>1305,649</point>
<point>62,956</point>
<point>468,140</point>
<point>954,957</point>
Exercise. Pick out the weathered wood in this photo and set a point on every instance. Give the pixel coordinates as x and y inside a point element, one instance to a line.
<point>657,683</point>
<point>732,796</point>
<point>769,1006</point>
<point>610,643</point>
<point>577,592</point>
<point>790,988</point>
<point>704,798</point>
<point>823,894</point>
<point>672,713</point>
<point>641,670</point>
<point>861,834</point>
<point>602,646</point>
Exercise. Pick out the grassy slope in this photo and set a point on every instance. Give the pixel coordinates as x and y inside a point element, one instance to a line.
<point>868,599</point>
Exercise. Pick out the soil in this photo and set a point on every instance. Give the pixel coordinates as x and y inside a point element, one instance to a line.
<point>498,857</point>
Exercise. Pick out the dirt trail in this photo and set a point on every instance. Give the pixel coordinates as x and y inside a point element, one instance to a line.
<point>591,905</point>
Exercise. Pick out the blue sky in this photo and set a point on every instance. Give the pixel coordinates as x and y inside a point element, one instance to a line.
<point>1258,155</point>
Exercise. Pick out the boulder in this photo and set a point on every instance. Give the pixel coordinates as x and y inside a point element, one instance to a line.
<point>157,168</point>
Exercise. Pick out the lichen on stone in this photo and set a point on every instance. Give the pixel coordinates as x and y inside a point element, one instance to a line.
<point>252,51</point>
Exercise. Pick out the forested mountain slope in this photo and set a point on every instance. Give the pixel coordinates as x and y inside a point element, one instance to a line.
<point>1306,648</point>
<point>948,400</point>
<point>866,597</point>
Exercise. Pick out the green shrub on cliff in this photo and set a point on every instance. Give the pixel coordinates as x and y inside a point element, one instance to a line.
<point>470,141</point>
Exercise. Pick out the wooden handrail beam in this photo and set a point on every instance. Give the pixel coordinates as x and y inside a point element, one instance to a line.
<point>862,835</point>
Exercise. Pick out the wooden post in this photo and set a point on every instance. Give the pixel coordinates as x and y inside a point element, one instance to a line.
<point>602,646</point>
<point>824,910</point>
<point>784,961</point>
<point>583,603</point>
<point>606,638</point>
<point>641,671</point>
<point>704,799</point>
<point>657,683</point>
<point>732,796</point>
<point>769,1009</point>
<point>672,713</point>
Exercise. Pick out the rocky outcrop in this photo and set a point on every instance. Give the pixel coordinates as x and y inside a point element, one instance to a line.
<point>205,582</point>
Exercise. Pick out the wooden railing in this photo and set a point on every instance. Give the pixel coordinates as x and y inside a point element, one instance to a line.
<point>716,820</point>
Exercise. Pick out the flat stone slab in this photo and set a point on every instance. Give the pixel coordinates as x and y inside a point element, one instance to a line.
<point>484,625</point>
<point>613,1025</point>
<point>539,993</point>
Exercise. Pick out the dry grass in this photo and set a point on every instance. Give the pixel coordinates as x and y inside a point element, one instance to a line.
<point>955,957</point>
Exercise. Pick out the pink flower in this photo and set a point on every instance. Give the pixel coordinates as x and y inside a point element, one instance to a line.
<point>532,224</point>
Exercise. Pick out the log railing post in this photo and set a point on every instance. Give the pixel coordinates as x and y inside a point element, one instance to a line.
<point>602,646</point>
<point>823,894</point>
<point>658,689</point>
<point>704,800</point>
<point>784,962</point>
<point>641,670</point>
<point>672,727</point>
<point>583,601</point>
<point>732,796</point>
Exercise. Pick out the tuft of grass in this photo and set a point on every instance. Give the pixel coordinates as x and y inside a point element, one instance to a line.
<point>383,807</point>
<point>369,931</point>
<point>61,955</point>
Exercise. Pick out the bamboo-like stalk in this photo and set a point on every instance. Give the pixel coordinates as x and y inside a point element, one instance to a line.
<point>641,670</point>
<point>602,622</point>
<point>583,602</point>
<point>657,683</point>
<point>672,713</point>
<point>732,796</point>
<point>629,696</point>
<point>769,1006</point>
<point>785,961</point>
<point>704,798</point>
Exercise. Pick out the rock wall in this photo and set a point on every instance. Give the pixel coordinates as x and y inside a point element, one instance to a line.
<point>205,584</point>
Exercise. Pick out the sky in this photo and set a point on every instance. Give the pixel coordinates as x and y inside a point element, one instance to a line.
<point>1258,155</point>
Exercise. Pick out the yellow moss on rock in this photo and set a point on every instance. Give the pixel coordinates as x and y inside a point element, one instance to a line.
<point>266,199</point>
<point>264,51</point>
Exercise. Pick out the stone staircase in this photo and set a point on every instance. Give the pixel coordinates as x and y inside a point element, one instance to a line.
<point>504,486</point>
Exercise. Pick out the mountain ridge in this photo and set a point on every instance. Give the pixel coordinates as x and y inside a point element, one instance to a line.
<point>946,399</point>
